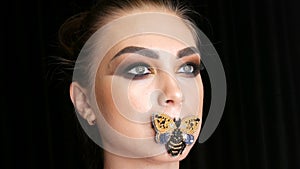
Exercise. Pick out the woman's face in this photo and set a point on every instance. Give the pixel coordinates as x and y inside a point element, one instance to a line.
<point>143,75</point>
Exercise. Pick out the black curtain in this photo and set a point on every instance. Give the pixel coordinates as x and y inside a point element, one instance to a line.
<point>257,41</point>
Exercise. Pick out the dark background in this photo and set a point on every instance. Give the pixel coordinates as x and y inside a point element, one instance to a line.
<point>257,40</point>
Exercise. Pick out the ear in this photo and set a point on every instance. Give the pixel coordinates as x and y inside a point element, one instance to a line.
<point>81,103</point>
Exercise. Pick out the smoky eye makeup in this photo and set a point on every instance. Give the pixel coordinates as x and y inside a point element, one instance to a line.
<point>135,66</point>
<point>135,71</point>
<point>189,69</point>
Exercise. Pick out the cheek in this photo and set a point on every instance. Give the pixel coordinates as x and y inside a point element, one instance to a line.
<point>201,94</point>
<point>124,101</point>
<point>192,90</point>
<point>103,96</point>
<point>118,102</point>
<point>139,95</point>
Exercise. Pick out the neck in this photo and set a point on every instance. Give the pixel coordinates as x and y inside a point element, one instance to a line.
<point>112,161</point>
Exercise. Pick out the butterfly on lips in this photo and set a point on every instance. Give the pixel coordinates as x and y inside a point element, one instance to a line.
<point>175,134</point>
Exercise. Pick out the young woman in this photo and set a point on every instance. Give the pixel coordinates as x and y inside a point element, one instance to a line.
<point>136,84</point>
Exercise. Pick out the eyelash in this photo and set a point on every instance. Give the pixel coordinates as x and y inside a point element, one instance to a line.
<point>138,71</point>
<point>195,69</point>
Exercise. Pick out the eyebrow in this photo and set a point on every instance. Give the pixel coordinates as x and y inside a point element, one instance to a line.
<point>187,52</point>
<point>152,53</point>
<point>139,50</point>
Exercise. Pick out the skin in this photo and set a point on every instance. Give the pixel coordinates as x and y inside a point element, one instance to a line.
<point>127,96</point>
<point>163,90</point>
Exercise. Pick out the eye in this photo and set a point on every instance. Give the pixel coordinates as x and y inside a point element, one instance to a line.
<point>186,69</point>
<point>138,70</point>
<point>190,69</point>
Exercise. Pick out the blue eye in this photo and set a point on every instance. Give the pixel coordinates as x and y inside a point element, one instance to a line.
<point>190,69</point>
<point>186,69</point>
<point>138,71</point>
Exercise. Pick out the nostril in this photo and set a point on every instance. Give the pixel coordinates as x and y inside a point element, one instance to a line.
<point>169,101</point>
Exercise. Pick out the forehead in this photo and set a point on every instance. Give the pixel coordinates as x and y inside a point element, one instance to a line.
<point>134,29</point>
<point>138,26</point>
<point>150,41</point>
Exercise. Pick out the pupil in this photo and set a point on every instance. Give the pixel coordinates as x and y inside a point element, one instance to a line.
<point>187,68</point>
<point>140,69</point>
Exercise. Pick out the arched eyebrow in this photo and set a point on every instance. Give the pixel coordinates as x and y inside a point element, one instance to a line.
<point>152,53</point>
<point>187,52</point>
<point>139,50</point>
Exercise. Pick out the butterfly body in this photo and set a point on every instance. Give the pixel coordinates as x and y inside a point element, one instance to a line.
<point>176,144</point>
<point>175,134</point>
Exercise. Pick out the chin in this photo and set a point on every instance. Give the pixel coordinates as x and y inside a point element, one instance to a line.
<point>165,157</point>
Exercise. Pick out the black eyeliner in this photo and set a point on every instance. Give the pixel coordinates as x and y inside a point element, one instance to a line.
<point>127,75</point>
<point>196,67</point>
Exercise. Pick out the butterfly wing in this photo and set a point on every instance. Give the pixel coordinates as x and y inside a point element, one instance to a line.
<point>162,138</point>
<point>190,125</point>
<point>163,125</point>
<point>188,139</point>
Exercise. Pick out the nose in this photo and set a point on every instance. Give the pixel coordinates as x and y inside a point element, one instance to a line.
<point>171,94</point>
